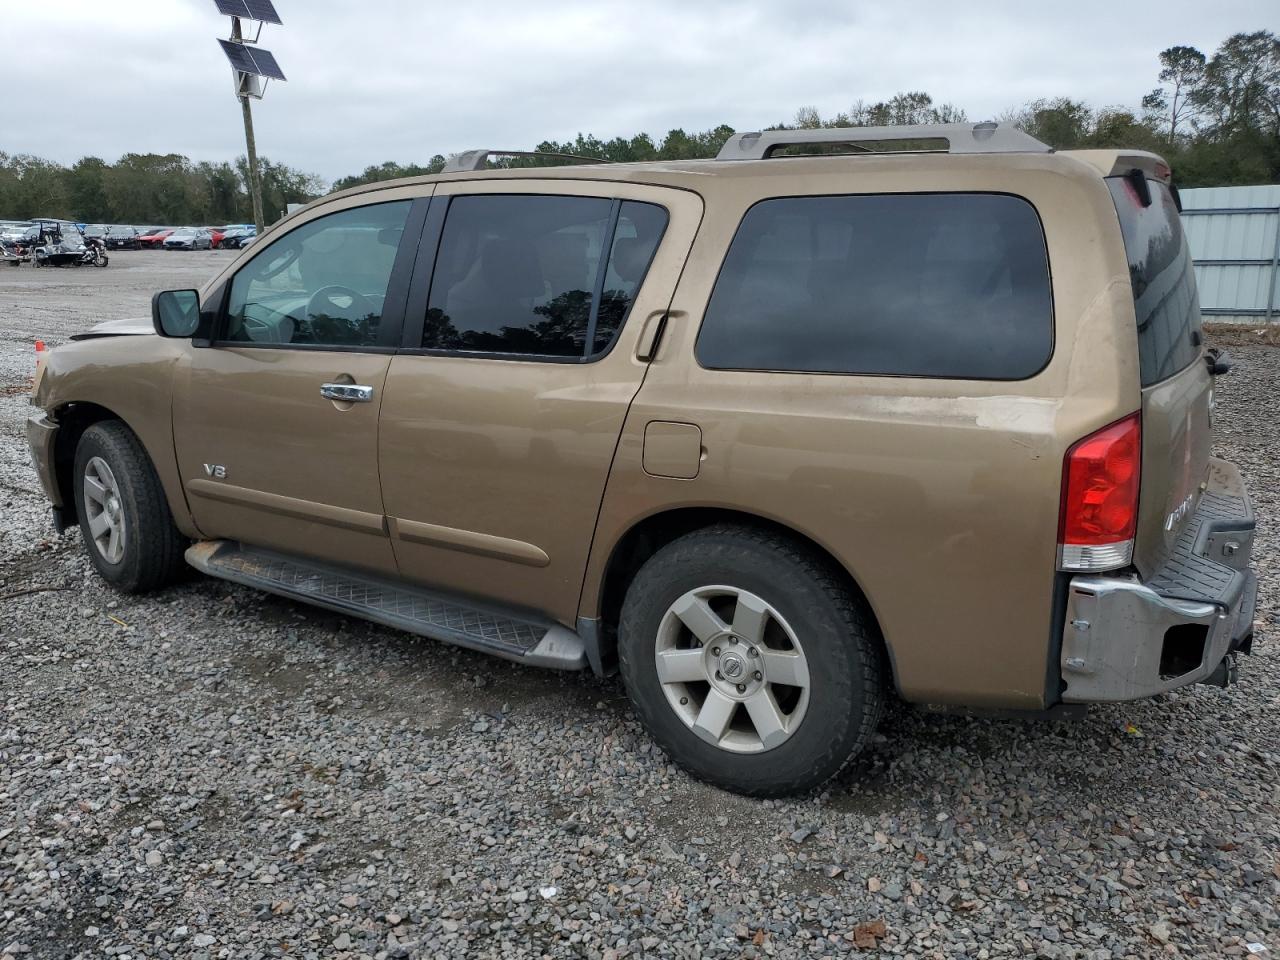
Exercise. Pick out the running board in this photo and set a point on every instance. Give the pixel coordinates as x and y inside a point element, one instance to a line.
<point>464,623</point>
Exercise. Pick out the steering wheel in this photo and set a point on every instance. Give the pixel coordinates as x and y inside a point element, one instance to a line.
<point>280,264</point>
<point>336,321</point>
<point>325,303</point>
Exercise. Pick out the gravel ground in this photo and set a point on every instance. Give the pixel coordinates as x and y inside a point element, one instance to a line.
<point>214,772</point>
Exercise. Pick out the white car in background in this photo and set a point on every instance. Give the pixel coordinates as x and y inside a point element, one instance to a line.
<point>189,238</point>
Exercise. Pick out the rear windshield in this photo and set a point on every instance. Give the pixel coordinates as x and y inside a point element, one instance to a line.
<point>1164,283</point>
<point>918,285</point>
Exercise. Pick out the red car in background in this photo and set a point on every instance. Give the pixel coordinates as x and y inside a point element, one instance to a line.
<point>154,239</point>
<point>215,234</point>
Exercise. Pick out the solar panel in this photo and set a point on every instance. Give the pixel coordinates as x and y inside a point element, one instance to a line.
<point>252,60</point>
<point>262,10</point>
<point>232,8</point>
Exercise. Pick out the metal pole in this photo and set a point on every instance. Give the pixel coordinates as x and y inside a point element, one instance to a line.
<point>255,183</point>
<point>1275,269</point>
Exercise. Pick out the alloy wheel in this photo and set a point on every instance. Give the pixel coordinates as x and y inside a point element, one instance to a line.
<point>732,669</point>
<point>104,509</point>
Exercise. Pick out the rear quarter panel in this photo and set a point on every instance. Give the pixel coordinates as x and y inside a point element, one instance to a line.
<point>940,497</point>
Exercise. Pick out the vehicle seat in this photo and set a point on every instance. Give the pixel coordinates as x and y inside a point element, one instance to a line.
<point>500,290</point>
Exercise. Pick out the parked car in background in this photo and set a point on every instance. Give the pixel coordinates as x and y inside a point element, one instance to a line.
<point>16,240</point>
<point>189,238</point>
<point>14,231</point>
<point>235,237</point>
<point>215,237</point>
<point>96,230</point>
<point>122,238</point>
<point>153,238</point>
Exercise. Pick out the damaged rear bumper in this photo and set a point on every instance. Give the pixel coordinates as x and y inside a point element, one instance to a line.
<point>1126,638</point>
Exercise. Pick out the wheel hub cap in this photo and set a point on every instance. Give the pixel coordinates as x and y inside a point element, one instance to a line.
<point>732,666</point>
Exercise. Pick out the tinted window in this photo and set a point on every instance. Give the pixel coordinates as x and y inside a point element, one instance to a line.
<point>1164,282</point>
<point>933,285</point>
<point>321,284</point>
<point>522,274</point>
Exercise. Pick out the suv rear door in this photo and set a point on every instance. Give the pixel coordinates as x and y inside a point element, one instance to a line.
<point>1177,387</point>
<point>503,409</point>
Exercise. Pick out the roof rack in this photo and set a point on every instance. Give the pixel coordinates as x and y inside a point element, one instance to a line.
<point>478,159</point>
<point>986,137</point>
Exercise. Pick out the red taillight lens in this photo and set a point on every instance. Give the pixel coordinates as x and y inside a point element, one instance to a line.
<point>1100,487</point>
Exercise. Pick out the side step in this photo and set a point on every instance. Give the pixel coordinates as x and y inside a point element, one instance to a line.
<point>464,623</point>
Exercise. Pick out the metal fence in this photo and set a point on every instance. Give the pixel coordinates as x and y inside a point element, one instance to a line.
<point>1234,235</point>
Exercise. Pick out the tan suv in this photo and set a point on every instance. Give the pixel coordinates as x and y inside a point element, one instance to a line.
<point>774,434</point>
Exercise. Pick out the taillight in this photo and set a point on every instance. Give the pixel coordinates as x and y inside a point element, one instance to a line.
<point>1099,516</point>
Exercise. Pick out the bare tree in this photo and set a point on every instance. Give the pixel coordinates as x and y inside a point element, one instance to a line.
<point>1176,102</point>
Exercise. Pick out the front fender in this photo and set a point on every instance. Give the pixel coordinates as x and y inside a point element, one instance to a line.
<point>129,378</point>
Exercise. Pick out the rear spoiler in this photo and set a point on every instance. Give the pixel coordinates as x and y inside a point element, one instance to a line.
<point>1136,166</point>
<point>1118,163</point>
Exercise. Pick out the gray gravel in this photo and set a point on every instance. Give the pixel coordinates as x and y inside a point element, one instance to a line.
<point>213,772</point>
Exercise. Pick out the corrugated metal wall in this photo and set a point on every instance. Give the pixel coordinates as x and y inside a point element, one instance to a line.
<point>1234,235</point>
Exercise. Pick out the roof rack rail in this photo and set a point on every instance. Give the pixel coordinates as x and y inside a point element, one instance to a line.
<point>478,159</point>
<point>986,137</point>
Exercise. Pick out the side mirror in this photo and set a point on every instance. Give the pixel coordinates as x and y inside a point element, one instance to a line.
<point>176,313</point>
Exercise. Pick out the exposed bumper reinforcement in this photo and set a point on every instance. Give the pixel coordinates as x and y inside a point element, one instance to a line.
<point>41,434</point>
<point>1125,639</point>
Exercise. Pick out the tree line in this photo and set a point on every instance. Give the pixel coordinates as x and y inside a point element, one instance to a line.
<point>1216,118</point>
<point>147,189</point>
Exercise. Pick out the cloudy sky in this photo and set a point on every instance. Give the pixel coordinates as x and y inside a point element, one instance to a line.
<point>372,80</point>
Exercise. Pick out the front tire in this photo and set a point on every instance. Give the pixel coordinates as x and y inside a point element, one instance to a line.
<point>125,521</point>
<point>750,661</point>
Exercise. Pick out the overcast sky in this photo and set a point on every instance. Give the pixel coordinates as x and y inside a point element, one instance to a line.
<point>375,80</point>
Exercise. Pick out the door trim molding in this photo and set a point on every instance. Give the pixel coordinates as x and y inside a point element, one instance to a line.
<point>468,541</point>
<point>325,513</point>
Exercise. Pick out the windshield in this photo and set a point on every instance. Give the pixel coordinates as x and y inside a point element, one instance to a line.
<point>1163,280</point>
<point>94,230</point>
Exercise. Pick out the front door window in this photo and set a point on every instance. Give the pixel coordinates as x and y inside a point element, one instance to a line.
<point>322,284</point>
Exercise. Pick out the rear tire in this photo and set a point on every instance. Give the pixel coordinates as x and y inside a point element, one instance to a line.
<point>774,692</point>
<point>125,521</point>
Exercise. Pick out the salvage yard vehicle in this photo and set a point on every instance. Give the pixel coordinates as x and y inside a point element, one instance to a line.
<point>152,239</point>
<point>59,243</point>
<point>122,237</point>
<point>189,238</point>
<point>235,236</point>
<point>776,435</point>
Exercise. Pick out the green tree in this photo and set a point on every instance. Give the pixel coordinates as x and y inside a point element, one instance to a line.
<point>1241,88</point>
<point>88,194</point>
<point>281,186</point>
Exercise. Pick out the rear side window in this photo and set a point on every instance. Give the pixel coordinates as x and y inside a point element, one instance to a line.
<point>538,276</point>
<point>926,285</point>
<point>1164,282</point>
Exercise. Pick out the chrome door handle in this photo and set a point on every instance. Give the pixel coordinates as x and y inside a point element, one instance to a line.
<point>351,392</point>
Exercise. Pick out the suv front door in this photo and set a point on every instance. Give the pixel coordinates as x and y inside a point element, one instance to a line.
<point>276,425</point>
<point>523,350</point>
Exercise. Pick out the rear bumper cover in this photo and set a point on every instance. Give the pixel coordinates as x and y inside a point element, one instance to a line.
<point>1121,632</point>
